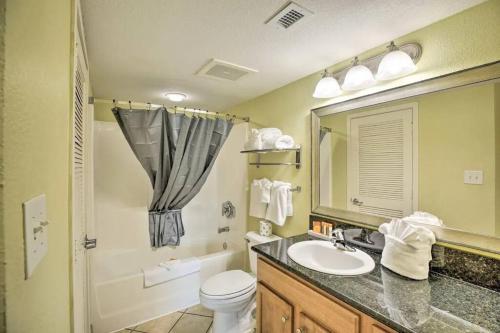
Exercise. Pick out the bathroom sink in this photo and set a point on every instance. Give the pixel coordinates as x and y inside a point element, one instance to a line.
<point>324,257</point>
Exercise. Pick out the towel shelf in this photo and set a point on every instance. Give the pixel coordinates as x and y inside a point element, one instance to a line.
<point>258,152</point>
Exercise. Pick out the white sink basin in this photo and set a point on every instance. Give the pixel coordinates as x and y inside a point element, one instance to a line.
<point>322,256</point>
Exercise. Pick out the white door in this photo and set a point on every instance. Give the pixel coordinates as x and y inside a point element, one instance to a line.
<point>382,161</point>
<point>81,190</point>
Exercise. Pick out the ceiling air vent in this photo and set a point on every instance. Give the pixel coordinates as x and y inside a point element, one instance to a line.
<point>224,70</point>
<point>289,15</point>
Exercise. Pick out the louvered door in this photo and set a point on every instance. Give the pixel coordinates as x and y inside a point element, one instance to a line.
<point>381,171</point>
<point>80,195</point>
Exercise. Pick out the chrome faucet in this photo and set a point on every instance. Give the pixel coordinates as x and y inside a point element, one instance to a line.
<point>338,240</point>
<point>364,237</point>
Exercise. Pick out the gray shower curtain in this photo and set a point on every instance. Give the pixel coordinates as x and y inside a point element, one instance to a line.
<point>177,152</point>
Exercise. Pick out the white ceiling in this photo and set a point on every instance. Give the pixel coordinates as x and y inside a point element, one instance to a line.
<point>139,49</point>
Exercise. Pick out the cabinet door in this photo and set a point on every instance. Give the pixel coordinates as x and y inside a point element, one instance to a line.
<point>274,312</point>
<point>308,325</point>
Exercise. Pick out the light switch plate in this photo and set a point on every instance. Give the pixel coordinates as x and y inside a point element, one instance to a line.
<point>35,233</point>
<point>474,177</point>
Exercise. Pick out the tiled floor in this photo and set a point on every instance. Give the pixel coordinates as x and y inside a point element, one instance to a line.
<point>196,319</point>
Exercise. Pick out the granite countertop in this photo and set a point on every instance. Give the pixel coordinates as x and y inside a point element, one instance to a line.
<point>439,304</point>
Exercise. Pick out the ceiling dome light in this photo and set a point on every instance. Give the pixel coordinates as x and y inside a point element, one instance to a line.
<point>175,97</point>
<point>395,64</point>
<point>358,77</point>
<point>327,87</point>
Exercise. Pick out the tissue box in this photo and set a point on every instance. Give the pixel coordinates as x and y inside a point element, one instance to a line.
<point>265,229</point>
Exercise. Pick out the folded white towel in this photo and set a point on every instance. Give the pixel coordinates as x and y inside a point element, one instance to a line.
<point>269,137</point>
<point>260,195</point>
<point>170,264</point>
<point>424,218</point>
<point>284,142</point>
<point>278,207</point>
<point>407,249</point>
<point>170,270</point>
<point>254,140</point>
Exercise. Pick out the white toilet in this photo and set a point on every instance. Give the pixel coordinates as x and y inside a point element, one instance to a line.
<point>229,293</point>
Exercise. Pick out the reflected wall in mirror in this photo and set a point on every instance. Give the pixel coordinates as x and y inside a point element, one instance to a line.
<point>438,152</point>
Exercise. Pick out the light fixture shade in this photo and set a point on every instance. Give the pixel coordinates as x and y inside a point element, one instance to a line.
<point>327,87</point>
<point>358,77</point>
<point>395,64</point>
<point>175,97</point>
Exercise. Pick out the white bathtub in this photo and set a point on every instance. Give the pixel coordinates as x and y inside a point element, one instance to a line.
<point>122,193</point>
<point>120,299</point>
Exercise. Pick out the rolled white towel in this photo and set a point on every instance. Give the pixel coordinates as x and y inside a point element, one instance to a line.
<point>269,137</point>
<point>423,218</point>
<point>254,141</point>
<point>284,142</point>
<point>407,249</point>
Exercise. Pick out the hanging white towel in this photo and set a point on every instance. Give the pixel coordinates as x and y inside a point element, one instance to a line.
<point>278,207</point>
<point>424,218</point>
<point>284,142</point>
<point>289,204</point>
<point>407,249</point>
<point>260,195</point>
<point>170,270</point>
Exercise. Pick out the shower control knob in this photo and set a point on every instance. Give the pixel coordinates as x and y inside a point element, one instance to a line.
<point>284,318</point>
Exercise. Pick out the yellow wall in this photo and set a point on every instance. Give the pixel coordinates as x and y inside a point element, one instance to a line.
<point>36,159</point>
<point>338,124</point>
<point>2,253</point>
<point>102,111</point>
<point>456,132</point>
<point>497,159</point>
<point>462,41</point>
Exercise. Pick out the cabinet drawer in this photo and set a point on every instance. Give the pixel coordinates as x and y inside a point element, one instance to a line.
<point>323,311</point>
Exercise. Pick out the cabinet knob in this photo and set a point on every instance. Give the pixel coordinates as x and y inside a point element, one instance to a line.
<point>301,330</point>
<point>284,318</point>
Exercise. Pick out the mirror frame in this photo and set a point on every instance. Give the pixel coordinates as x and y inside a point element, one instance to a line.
<point>484,74</point>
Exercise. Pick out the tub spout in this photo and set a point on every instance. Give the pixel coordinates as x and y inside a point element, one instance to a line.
<point>221,230</point>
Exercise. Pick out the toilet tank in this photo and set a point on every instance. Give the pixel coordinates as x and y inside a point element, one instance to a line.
<point>253,238</point>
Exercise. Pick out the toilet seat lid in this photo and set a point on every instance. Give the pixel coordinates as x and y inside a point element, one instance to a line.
<point>229,283</point>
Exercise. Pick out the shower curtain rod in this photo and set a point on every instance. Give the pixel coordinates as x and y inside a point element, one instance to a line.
<point>178,109</point>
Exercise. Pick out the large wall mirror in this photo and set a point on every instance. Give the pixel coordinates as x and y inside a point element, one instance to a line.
<point>433,146</point>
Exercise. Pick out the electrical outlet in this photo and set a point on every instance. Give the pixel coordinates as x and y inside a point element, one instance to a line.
<point>474,177</point>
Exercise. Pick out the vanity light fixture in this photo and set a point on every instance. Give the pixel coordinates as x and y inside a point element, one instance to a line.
<point>358,77</point>
<point>175,97</point>
<point>327,87</point>
<point>395,64</point>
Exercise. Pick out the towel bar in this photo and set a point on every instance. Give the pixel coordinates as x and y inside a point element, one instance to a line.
<point>258,163</point>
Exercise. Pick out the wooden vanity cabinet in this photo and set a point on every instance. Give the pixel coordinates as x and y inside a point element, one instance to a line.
<point>287,304</point>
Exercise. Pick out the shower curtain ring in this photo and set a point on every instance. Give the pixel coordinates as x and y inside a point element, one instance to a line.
<point>130,105</point>
<point>149,106</point>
